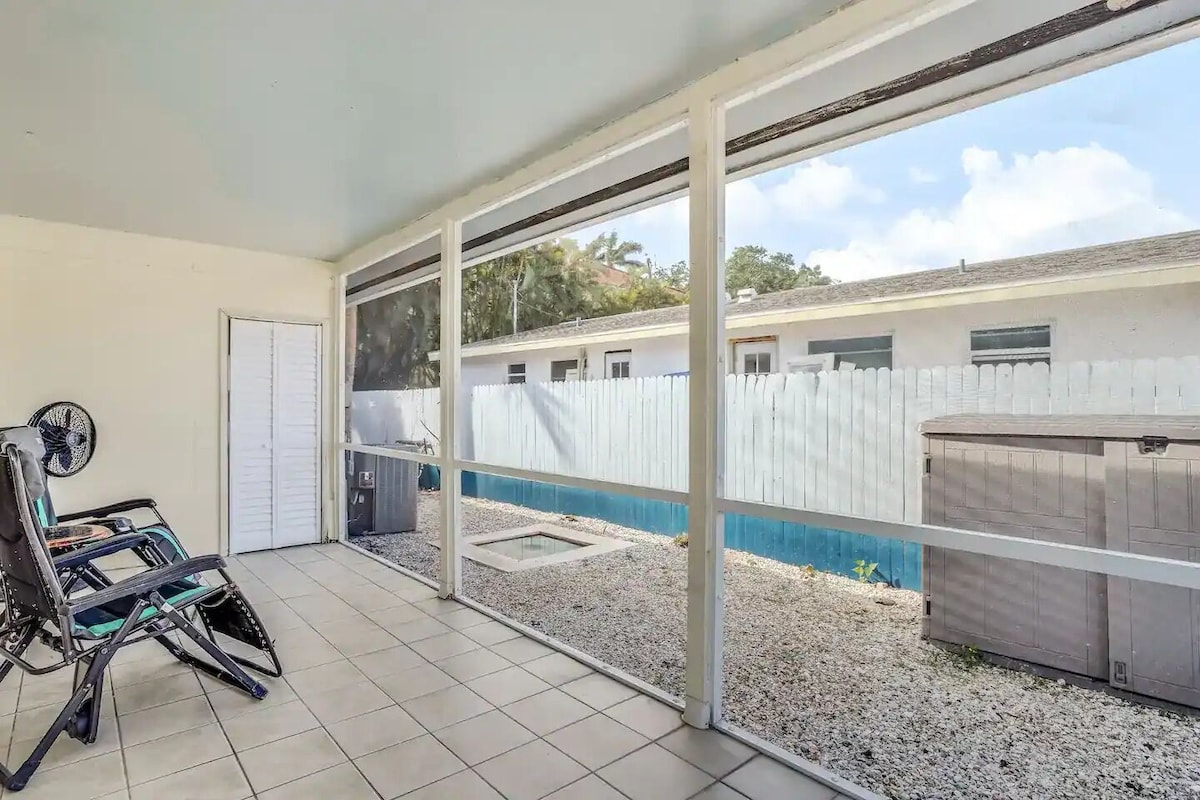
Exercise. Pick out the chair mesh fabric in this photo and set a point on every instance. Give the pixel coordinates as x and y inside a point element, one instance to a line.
<point>105,619</point>
<point>25,586</point>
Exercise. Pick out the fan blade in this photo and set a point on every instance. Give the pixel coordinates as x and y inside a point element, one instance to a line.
<point>67,420</point>
<point>64,460</point>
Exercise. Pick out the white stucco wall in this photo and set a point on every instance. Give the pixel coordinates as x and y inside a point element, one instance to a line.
<point>1133,323</point>
<point>128,326</point>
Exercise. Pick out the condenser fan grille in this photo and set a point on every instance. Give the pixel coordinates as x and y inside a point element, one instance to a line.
<point>69,435</point>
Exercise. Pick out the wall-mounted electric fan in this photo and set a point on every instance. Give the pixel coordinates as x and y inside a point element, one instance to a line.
<point>69,435</point>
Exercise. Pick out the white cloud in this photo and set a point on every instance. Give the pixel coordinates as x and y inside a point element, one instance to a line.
<point>1050,200</point>
<point>920,175</point>
<point>816,188</point>
<point>665,215</point>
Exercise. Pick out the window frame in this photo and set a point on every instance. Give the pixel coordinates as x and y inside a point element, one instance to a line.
<point>566,377</point>
<point>522,373</point>
<point>769,347</point>
<point>840,354</point>
<point>621,358</point>
<point>997,356</point>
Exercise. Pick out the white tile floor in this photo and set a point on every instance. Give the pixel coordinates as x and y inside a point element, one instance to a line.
<point>389,692</point>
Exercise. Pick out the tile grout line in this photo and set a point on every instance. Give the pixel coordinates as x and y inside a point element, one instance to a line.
<point>594,711</point>
<point>120,734</point>
<point>220,724</point>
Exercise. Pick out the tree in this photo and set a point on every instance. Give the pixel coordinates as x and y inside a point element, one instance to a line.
<point>395,334</point>
<point>678,276</point>
<point>609,250</point>
<point>751,267</point>
<point>641,294</point>
<point>551,282</point>
<point>549,287</point>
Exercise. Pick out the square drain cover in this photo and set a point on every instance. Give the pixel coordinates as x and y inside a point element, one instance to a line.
<point>535,545</point>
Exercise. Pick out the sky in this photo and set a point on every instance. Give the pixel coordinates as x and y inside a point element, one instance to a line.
<point>1103,157</point>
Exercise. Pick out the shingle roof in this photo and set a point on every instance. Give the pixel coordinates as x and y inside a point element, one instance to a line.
<point>1155,252</point>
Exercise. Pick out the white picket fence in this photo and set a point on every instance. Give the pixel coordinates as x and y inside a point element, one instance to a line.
<point>844,442</point>
<point>384,417</point>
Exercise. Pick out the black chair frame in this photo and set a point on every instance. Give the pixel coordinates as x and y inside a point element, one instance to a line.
<point>38,608</point>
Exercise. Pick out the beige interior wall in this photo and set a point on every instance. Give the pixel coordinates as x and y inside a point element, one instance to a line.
<point>128,326</point>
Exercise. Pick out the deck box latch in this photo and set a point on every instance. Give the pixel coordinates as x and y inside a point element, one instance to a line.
<point>1153,444</point>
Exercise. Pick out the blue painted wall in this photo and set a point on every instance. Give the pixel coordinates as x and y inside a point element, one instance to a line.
<point>899,563</point>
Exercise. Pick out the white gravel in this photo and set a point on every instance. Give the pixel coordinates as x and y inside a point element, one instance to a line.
<point>815,664</point>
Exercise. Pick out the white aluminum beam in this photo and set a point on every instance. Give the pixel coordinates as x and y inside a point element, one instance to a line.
<point>450,584</point>
<point>437,460</point>
<point>706,413</point>
<point>335,454</point>
<point>1089,559</point>
<point>575,482</point>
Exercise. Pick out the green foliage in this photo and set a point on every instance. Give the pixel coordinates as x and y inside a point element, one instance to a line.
<point>551,282</point>
<point>395,334</point>
<point>677,276</point>
<point>552,285</point>
<point>967,656</point>
<point>642,294</point>
<point>680,540</point>
<point>609,250</point>
<point>752,267</point>
<point>864,571</point>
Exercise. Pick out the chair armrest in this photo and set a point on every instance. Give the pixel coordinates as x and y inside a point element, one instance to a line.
<point>116,544</point>
<point>116,524</point>
<point>146,582</point>
<point>109,510</point>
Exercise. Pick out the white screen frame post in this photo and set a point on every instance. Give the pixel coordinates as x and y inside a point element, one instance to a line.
<point>450,569</point>
<point>706,415</point>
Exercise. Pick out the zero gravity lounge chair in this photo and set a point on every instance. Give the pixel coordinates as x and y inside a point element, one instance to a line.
<point>85,631</point>
<point>77,539</point>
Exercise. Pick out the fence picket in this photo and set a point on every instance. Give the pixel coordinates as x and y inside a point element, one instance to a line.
<point>844,441</point>
<point>883,410</point>
<point>1189,385</point>
<point>1167,379</point>
<point>819,444</point>
<point>867,476</point>
<point>778,427</point>
<point>896,422</point>
<point>811,415</point>
<point>1040,390</point>
<point>1142,388</point>
<point>857,449</point>
<point>1120,388</point>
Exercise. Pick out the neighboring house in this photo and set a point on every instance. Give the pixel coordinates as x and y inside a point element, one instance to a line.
<point>611,276</point>
<point>1135,299</point>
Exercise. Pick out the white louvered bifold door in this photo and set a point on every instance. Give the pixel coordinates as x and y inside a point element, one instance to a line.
<point>274,435</point>
<point>297,435</point>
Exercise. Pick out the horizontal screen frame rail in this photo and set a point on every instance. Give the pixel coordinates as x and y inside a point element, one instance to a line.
<point>1054,554</point>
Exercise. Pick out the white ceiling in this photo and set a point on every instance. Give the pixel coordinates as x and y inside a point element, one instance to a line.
<point>310,128</point>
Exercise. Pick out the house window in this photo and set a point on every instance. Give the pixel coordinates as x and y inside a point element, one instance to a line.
<point>756,356</point>
<point>616,364</point>
<point>567,370</point>
<point>859,352</point>
<point>1025,344</point>
<point>516,373</point>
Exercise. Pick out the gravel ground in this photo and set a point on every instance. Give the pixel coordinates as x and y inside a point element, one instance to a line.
<point>833,670</point>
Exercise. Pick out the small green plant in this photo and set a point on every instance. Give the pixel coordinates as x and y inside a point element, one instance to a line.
<point>810,570</point>
<point>681,540</point>
<point>969,657</point>
<point>864,571</point>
